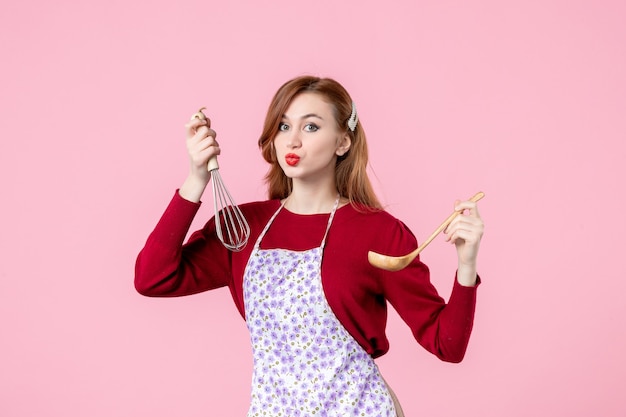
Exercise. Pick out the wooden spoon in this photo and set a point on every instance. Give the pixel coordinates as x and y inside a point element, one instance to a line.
<point>396,263</point>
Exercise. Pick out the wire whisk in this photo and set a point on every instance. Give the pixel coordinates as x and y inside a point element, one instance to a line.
<point>231,226</point>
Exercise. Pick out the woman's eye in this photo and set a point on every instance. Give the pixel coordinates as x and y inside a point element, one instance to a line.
<point>282,127</point>
<point>311,127</point>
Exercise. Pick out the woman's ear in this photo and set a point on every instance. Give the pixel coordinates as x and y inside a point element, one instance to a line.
<point>344,145</point>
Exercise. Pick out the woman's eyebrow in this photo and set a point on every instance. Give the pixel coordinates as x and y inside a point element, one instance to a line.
<point>306,116</point>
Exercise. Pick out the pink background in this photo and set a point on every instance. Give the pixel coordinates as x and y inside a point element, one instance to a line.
<point>525,101</point>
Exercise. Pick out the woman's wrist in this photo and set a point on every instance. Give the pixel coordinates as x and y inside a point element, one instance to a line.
<point>466,274</point>
<point>193,188</point>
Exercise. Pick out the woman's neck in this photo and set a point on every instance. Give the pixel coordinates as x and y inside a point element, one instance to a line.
<point>311,201</point>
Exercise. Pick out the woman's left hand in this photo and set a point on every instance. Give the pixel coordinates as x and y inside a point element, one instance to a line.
<point>466,231</point>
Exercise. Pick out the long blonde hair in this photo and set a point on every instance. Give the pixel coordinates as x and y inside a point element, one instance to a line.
<point>351,170</point>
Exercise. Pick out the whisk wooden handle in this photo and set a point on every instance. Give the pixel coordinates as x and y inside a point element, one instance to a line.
<point>213,165</point>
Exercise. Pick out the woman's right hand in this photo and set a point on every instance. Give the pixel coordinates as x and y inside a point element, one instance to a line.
<point>201,147</point>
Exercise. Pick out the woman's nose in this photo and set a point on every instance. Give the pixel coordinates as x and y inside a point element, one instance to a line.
<point>293,141</point>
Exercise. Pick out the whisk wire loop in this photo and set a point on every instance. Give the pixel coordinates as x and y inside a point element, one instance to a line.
<point>231,226</point>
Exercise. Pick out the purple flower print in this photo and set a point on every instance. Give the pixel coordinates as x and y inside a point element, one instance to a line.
<point>271,316</point>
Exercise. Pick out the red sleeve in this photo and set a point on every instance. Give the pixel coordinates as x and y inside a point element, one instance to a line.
<point>167,268</point>
<point>441,328</point>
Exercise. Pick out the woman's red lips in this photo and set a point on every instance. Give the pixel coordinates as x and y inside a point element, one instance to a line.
<point>292,159</point>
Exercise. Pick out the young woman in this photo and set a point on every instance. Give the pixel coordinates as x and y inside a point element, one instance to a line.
<point>315,308</point>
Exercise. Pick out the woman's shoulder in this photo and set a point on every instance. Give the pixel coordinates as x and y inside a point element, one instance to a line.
<point>369,215</point>
<point>378,229</point>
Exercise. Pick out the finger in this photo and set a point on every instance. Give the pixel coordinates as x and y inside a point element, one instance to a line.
<point>206,142</point>
<point>195,122</point>
<point>211,133</point>
<point>200,115</point>
<point>460,210</point>
<point>202,151</point>
<point>203,133</point>
<point>465,222</point>
<point>469,206</point>
<point>203,155</point>
<point>463,236</point>
<point>455,209</point>
<point>452,232</point>
<point>472,229</point>
<point>192,126</point>
<point>201,145</point>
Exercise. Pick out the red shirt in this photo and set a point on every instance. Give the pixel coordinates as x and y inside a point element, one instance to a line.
<point>356,291</point>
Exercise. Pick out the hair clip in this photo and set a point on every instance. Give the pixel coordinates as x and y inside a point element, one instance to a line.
<point>354,118</point>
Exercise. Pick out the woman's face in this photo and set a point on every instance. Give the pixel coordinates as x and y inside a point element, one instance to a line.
<point>309,140</point>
